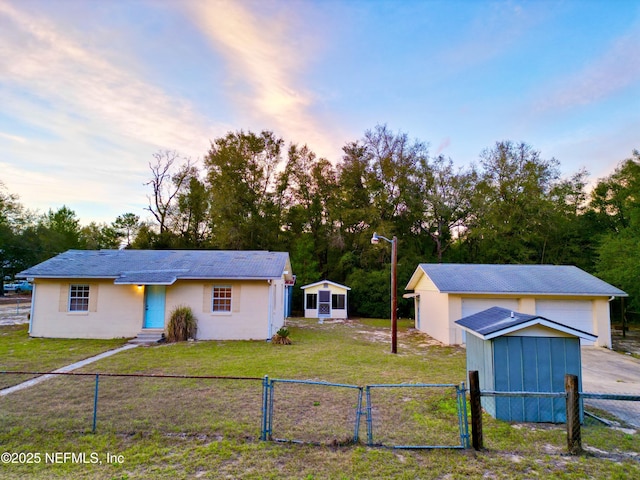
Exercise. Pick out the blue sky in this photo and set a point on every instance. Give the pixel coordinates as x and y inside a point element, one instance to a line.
<point>90,90</point>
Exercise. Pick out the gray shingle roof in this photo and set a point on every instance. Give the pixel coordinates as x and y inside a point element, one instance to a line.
<point>492,322</point>
<point>162,266</point>
<point>514,279</point>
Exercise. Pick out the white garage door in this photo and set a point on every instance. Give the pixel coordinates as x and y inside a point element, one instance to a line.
<point>475,305</point>
<point>573,313</point>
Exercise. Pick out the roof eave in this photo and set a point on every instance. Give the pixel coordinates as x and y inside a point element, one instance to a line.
<point>415,278</point>
<point>529,323</point>
<point>222,277</point>
<point>314,284</point>
<point>538,294</point>
<point>61,277</point>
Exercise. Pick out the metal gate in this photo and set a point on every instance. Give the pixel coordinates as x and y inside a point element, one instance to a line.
<point>308,412</point>
<point>437,411</point>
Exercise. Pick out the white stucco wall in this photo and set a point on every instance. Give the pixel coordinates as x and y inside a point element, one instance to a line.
<point>439,311</point>
<point>250,303</point>
<point>114,310</point>
<point>434,308</point>
<point>602,322</point>
<point>118,310</point>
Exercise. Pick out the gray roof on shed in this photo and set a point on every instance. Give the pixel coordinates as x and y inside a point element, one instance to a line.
<point>496,321</point>
<point>513,279</point>
<point>162,267</point>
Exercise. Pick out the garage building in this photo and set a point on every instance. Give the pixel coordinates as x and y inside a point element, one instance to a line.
<point>444,293</point>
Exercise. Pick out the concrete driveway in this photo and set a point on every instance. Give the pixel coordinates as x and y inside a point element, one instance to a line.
<point>605,371</point>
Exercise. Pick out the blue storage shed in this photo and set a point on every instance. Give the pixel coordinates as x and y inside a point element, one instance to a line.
<point>517,352</point>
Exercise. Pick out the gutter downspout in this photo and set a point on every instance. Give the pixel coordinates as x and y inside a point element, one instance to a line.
<point>270,314</point>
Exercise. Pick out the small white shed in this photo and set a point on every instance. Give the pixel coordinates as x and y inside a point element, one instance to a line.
<point>325,299</point>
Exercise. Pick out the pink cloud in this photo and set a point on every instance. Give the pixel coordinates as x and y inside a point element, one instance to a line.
<point>615,70</point>
<point>444,144</point>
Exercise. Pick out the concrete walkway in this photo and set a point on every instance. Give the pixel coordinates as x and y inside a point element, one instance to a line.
<point>68,368</point>
<point>605,371</point>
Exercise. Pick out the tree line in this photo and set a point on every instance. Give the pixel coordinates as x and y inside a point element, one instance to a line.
<point>255,192</point>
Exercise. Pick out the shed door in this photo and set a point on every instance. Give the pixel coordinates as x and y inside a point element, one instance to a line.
<point>324,303</point>
<point>533,364</point>
<point>573,313</point>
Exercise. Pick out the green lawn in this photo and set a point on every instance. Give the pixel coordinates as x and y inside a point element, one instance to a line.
<point>186,428</point>
<point>19,352</point>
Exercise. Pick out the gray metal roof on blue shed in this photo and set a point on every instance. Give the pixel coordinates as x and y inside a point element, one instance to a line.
<point>162,265</point>
<point>528,279</point>
<point>494,319</point>
<point>498,319</point>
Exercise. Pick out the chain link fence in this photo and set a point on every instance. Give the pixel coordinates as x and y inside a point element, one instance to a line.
<point>581,421</point>
<point>308,411</point>
<point>315,412</point>
<point>417,416</point>
<point>301,411</point>
<point>128,404</point>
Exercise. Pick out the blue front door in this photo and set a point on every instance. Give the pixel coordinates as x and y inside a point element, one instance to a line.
<point>154,306</point>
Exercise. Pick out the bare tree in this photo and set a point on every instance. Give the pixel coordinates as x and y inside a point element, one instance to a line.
<point>169,178</point>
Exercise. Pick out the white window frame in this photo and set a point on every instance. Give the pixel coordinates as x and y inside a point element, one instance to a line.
<point>336,299</point>
<point>79,294</point>
<point>215,296</point>
<point>311,299</point>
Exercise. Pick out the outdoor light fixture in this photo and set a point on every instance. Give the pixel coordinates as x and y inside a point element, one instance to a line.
<point>375,239</point>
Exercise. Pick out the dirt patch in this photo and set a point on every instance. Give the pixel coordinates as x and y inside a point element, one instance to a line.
<point>629,343</point>
<point>15,309</point>
<point>15,297</point>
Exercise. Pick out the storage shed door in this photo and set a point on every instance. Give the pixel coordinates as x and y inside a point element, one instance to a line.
<point>573,313</point>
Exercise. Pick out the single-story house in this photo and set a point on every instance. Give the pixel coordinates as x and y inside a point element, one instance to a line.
<point>234,295</point>
<point>566,294</point>
<point>517,352</point>
<point>325,299</point>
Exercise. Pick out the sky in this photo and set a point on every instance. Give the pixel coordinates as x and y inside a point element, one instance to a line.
<point>90,90</point>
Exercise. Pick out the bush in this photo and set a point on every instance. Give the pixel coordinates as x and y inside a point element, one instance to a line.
<point>182,325</point>
<point>281,337</point>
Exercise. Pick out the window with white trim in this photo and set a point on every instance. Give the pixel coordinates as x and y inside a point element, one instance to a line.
<point>312,301</point>
<point>79,298</point>
<point>338,301</point>
<point>221,299</point>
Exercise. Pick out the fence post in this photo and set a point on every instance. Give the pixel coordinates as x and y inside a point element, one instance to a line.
<point>463,418</point>
<point>95,404</point>
<point>574,439</point>
<point>270,414</point>
<point>356,429</point>
<point>265,407</point>
<point>369,416</point>
<point>476,410</point>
